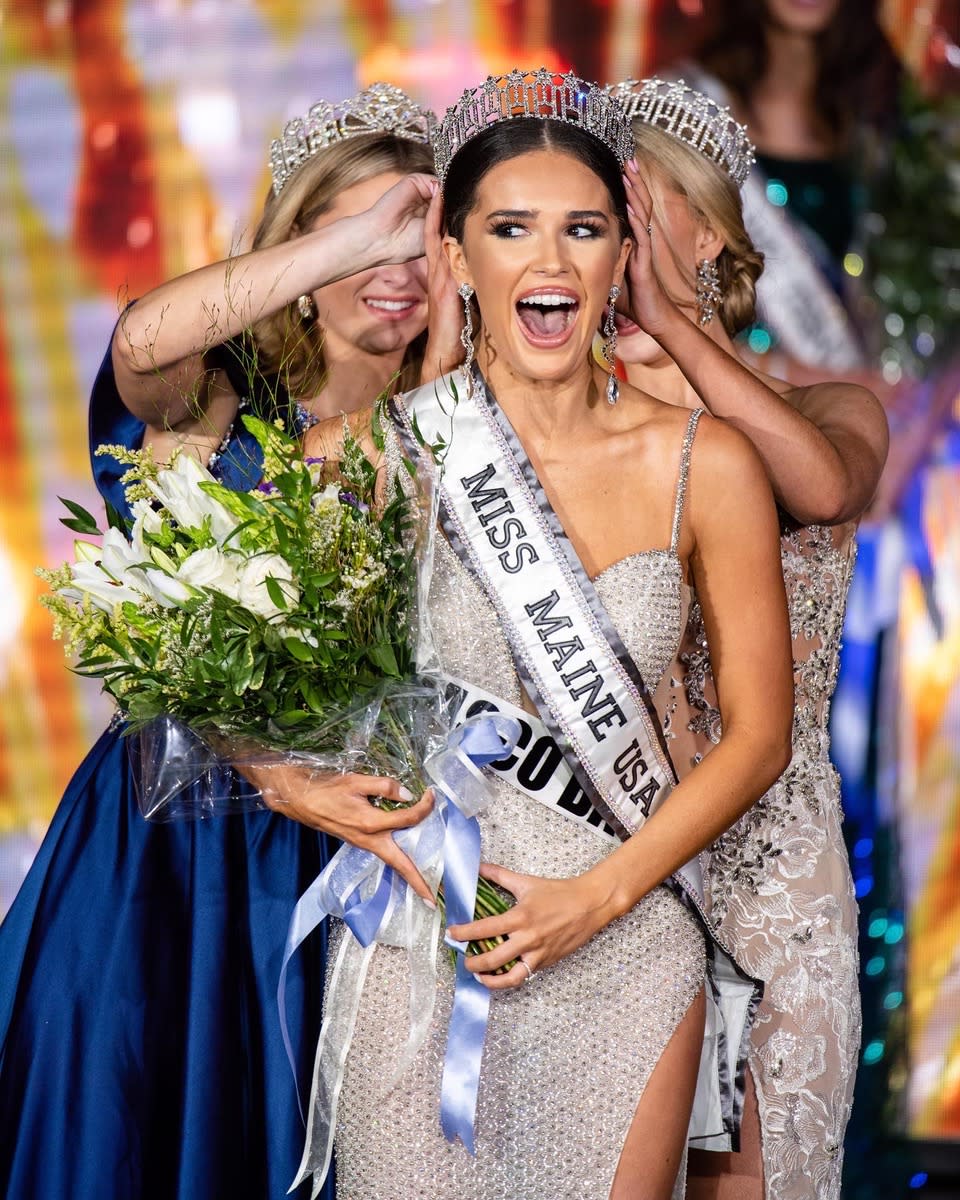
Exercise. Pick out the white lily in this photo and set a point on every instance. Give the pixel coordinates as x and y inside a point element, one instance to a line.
<point>177,487</point>
<point>86,552</point>
<point>168,590</point>
<point>145,520</point>
<point>92,582</point>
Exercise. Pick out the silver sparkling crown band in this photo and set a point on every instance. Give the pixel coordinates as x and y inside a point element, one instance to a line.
<point>380,108</point>
<point>692,118</point>
<point>532,94</point>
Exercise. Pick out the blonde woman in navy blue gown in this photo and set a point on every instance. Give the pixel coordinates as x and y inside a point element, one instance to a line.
<point>140,1045</point>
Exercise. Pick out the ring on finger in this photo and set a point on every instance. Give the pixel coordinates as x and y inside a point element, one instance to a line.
<point>530,971</point>
<point>650,230</point>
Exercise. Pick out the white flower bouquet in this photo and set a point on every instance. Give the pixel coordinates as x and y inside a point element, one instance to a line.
<point>237,626</point>
<point>280,625</point>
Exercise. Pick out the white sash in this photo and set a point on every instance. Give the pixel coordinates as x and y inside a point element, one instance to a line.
<point>569,656</point>
<point>597,754</point>
<point>538,768</point>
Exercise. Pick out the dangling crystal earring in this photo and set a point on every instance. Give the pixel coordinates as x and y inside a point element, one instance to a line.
<point>609,348</point>
<point>465,291</point>
<point>709,293</point>
<point>306,307</point>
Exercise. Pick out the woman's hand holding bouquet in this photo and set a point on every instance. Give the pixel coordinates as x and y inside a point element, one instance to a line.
<point>340,805</point>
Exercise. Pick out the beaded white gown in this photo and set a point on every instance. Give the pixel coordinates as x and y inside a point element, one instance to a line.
<point>779,887</point>
<point>568,1055</point>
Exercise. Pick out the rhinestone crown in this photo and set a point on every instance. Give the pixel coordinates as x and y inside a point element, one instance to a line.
<point>380,108</point>
<point>691,117</point>
<point>539,94</point>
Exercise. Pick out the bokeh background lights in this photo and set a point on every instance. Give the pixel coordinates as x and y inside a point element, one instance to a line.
<point>133,147</point>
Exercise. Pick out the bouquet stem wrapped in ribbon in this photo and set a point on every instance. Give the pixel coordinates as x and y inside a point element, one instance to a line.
<point>283,627</point>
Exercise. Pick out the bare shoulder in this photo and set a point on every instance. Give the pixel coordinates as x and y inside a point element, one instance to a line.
<point>652,428</point>
<point>728,490</point>
<point>650,439</point>
<point>721,453</point>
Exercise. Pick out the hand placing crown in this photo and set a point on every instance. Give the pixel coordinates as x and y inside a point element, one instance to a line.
<point>538,94</point>
<point>380,108</point>
<point>691,117</point>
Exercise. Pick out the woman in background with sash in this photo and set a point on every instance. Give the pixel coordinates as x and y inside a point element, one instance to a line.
<point>612,505</point>
<point>779,881</point>
<point>140,1046</point>
<point>812,80</point>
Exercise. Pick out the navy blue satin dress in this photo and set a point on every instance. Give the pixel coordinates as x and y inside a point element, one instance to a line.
<point>141,1055</point>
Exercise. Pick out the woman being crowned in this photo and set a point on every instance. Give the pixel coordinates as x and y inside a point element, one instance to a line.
<point>578,514</point>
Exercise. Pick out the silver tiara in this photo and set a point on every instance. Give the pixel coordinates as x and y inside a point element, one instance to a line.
<point>691,117</point>
<point>380,108</point>
<point>539,94</point>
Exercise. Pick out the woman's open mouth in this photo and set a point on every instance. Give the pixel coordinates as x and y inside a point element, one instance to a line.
<point>547,316</point>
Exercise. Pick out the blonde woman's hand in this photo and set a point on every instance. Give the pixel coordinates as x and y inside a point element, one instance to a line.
<point>444,349</point>
<point>340,806</point>
<point>645,302</point>
<point>394,227</point>
<point>551,919</point>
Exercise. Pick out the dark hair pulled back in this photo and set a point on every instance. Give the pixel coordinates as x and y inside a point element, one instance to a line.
<point>523,135</point>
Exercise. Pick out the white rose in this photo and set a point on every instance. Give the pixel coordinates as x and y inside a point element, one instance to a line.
<point>252,586</point>
<point>211,568</point>
<point>178,489</point>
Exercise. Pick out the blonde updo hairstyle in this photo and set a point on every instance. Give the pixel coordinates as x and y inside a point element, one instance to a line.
<point>288,346</point>
<point>714,198</point>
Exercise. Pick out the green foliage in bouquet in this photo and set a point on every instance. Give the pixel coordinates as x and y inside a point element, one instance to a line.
<point>910,236</point>
<point>260,614</point>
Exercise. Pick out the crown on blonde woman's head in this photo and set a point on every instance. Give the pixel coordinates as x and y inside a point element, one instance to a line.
<point>539,94</point>
<point>380,108</point>
<point>691,117</point>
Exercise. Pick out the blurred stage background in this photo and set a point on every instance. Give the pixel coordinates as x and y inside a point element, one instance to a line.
<point>133,138</point>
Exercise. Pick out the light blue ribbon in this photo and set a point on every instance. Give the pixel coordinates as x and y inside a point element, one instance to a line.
<point>455,773</point>
<point>364,919</point>
<point>365,893</point>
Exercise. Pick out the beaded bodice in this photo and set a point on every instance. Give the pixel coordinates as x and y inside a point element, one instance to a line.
<point>644,595</point>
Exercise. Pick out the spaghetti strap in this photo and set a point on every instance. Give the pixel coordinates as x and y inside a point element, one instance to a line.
<point>682,478</point>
